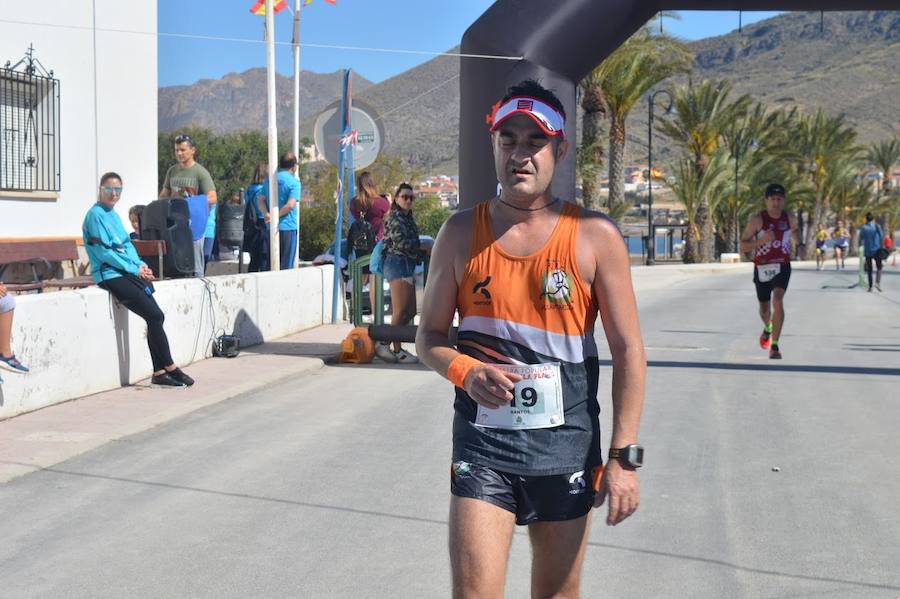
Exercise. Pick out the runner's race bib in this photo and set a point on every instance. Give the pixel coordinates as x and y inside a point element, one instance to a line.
<point>537,400</point>
<point>767,272</point>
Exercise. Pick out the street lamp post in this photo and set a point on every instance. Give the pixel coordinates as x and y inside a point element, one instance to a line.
<point>651,240</point>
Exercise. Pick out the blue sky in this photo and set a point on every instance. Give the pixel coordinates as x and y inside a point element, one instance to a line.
<point>394,24</point>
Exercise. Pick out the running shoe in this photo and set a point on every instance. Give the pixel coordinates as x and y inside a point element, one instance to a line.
<point>774,354</point>
<point>404,357</point>
<point>12,364</point>
<point>878,286</point>
<point>383,351</point>
<point>765,340</point>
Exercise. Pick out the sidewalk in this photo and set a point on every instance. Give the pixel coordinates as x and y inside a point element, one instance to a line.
<point>40,439</point>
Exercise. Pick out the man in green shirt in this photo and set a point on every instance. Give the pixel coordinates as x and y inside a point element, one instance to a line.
<point>189,178</point>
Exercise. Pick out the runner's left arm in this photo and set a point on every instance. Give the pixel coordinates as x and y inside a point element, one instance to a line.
<point>618,311</point>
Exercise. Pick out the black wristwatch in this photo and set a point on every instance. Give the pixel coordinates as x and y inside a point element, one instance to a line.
<point>632,455</point>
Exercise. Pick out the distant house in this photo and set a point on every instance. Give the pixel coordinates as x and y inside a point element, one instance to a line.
<point>442,186</point>
<point>77,98</point>
<point>635,174</point>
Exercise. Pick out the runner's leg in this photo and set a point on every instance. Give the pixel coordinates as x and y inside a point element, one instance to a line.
<point>403,305</point>
<point>777,313</point>
<point>558,553</point>
<point>765,313</point>
<point>480,536</point>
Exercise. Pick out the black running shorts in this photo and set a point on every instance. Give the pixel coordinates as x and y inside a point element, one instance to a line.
<point>764,290</point>
<point>530,498</point>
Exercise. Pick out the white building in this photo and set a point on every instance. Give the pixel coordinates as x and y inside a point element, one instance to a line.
<point>100,113</point>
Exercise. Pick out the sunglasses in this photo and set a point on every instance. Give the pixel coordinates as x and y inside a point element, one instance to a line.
<point>407,196</point>
<point>184,138</point>
<point>117,190</point>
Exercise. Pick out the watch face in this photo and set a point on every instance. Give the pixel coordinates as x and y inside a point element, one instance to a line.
<point>634,455</point>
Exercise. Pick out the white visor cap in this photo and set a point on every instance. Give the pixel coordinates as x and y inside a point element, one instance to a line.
<point>550,120</point>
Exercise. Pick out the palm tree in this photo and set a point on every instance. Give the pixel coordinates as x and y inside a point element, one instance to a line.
<point>613,89</point>
<point>693,188</point>
<point>823,147</point>
<point>753,144</point>
<point>626,76</point>
<point>590,152</point>
<point>885,155</point>
<point>703,113</point>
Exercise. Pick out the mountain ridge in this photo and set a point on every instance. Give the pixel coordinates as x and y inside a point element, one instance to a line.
<point>844,64</point>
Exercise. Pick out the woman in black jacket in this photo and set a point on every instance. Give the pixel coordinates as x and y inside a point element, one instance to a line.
<point>402,251</point>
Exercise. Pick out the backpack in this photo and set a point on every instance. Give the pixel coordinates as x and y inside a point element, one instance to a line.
<point>361,235</point>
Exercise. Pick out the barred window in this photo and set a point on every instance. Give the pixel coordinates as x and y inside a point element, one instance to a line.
<point>29,130</point>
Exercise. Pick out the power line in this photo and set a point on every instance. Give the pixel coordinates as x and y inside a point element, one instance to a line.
<point>277,43</point>
<point>425,93</point>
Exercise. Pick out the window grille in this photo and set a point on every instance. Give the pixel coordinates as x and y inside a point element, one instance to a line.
<point>29,127</point>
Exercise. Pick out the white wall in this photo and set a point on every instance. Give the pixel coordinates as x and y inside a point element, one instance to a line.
<point>63,37</point>
<point>81,342</point>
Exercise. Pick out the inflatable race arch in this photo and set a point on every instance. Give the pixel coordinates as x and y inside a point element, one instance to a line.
<point>561,41</point>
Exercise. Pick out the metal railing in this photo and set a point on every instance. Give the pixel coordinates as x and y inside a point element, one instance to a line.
<point>356,298</point>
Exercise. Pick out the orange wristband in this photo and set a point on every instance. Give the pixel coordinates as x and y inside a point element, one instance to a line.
<point>459,369</point>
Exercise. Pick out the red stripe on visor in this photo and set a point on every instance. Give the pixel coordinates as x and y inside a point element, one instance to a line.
<point>550,120</point>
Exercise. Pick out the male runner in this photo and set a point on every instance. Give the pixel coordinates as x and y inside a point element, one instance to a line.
<point>769,235</point>
<point>527,273</point>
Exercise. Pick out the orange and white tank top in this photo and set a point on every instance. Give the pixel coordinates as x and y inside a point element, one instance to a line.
<point>539,302</point>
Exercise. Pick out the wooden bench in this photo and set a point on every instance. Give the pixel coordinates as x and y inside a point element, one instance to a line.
<point>33,253</point>
<point>42,252</point>
<point>151,249</point>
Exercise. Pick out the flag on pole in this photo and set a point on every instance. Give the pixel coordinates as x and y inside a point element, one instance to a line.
<point>308,2</point>
<point>259,9</point>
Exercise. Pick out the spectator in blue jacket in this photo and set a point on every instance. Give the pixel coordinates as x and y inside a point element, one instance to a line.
<point>116,267</point>
<point>288,208</point>
<point>870,238</point>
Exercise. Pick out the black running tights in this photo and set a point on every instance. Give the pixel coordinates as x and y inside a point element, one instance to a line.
<point>136,300</point>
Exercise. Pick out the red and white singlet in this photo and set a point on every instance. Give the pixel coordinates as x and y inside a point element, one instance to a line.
<point>777,251</point>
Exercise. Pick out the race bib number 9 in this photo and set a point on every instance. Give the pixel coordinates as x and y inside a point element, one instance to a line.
<point>537,400</point>
<point>767,272</point>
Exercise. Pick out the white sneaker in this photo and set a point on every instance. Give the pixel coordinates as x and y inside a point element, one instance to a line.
<point>383,351</point>
<point>878,286</point>
<point>404,357</point>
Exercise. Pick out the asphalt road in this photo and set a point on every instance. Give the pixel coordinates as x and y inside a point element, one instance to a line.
<point>763,479</point>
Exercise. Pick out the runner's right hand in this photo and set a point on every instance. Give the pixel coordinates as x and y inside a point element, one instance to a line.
<point>490,387</point>
<point>768,236</point>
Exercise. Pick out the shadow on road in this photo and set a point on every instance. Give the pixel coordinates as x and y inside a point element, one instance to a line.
<point>770,367</point>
